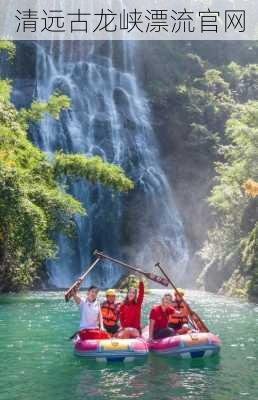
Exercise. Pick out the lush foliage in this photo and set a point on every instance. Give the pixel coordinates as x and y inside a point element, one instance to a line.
<point>8,47</point>
<point>235,237</point>
<point>93,169</point>
<point>205,103</point>
<point>34,206</point>
<point>132,281</point>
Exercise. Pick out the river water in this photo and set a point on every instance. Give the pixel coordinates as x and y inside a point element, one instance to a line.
<point>37,360</point>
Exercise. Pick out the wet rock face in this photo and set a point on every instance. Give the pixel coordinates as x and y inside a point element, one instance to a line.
<point>23,73</point>
<point>26,58</point>
<point>23,91</point>
<point>213,277</point>
<point>187,163</point>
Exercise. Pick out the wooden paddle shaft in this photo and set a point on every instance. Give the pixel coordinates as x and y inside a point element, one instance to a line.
<point>151,276</point>
<point>77,284</point>
<point>193,313</point>
<point>169,280</point>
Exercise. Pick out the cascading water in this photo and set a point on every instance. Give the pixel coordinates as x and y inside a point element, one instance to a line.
<point>110,117</point>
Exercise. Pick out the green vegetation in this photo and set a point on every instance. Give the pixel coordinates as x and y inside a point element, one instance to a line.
<point>34,206</point>
<point>205,103</point>
<point>236,214</point>
<point>132,281</point>
<point>94,169</point>
<point>204,98</point>
<point>9,48</point>
<point>226,101</point>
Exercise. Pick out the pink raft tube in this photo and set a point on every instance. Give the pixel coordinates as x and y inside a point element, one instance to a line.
<point>190,345</point>
<point>112,349</point>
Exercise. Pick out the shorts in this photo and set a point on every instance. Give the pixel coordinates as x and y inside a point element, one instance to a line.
<point>112,329</point>
<point>163,333</point>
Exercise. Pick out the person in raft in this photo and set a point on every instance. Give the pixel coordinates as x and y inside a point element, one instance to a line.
<point>130,313</point>
<point>91,324</point>
<point>110,312</point>
<point>159,317</point>
<point>179,321</point>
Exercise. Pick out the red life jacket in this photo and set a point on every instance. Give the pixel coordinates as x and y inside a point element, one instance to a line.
<point>130,313</point>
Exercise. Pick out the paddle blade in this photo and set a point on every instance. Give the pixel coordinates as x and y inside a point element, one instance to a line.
<point>157,279</point>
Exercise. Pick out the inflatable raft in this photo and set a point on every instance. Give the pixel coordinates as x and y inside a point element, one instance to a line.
<point>191,345</point>
<point>111,349</point>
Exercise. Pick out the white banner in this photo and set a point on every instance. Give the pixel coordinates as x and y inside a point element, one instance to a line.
<point>129,19</point>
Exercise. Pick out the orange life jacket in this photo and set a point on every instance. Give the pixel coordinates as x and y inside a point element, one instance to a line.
<point>110,313</point>
<point>181,318</point>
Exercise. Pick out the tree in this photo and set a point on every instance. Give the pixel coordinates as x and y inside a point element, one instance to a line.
<point>235,237</point>
<point>34,207</point>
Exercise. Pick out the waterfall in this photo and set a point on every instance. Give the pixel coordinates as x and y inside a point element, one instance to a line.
<point>110,117</point>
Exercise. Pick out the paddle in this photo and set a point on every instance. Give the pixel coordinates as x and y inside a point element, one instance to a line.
<point>149,275</point>
<point>77,284</point>
<point>195,317</point>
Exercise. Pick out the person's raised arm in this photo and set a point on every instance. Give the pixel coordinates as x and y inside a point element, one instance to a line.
<point>76,297</point>
<point>141,292</point>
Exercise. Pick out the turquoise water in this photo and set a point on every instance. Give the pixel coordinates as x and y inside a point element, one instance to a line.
<point>37,360</point>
